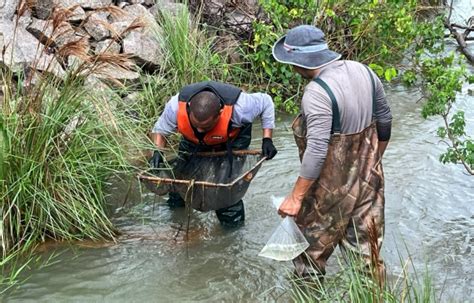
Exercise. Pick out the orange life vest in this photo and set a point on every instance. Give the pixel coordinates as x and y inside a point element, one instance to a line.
<point>221,133</point>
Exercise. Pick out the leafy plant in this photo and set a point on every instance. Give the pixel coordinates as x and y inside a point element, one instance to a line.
<point>443,80</point>
<point>379,33</point>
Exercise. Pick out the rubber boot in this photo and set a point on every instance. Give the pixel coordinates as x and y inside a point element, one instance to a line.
<point>232,216</point>
<point>175,200</point>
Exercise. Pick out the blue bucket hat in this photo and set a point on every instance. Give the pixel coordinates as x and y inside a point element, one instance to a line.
<point>304,46</point>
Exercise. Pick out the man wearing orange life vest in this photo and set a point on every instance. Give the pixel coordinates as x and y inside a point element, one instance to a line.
<point>214,116</point>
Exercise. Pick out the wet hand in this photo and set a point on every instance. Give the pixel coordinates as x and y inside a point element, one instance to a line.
<point>290,207</point>
<point>268,149</point>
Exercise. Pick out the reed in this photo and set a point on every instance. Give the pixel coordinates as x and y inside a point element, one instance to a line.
<point>60,142</point>
<point>359,281</point>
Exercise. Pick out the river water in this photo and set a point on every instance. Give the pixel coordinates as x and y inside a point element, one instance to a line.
<point>429,213</point>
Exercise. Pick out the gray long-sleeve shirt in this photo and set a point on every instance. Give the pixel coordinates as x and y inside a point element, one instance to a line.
<point>247,108</point>
<point>351,85</point>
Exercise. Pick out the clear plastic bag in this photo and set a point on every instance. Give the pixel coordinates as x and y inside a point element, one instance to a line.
<point>287,241</point>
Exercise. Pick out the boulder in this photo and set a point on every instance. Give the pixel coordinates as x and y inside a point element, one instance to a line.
<point>24,21</point>
<point>233,16</point>
<point>107,46</point>
<point>44,8</point>
<point>43,31</point>
<point>239,21</point>
<point>167,6</point>
<point>22,50</point>
<point>7,9</point>
<point>97,25</point>
<point>133,12</point>
<point>77,14</point>
<point>136,1</point>
<point>118,28</point>
<point>144,47</point>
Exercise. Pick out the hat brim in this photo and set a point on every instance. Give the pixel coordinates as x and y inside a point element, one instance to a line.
<point>305,60</point>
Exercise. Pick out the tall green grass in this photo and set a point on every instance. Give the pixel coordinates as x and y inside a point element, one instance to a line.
<point>60,142</point>
<point>188,57</point>
<point>354,283</point>
<point>188,50</point>
<point>58,149</point>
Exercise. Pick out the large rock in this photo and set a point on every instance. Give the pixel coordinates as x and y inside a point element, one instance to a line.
<point>44,8</point>
<point>114,73</point>
<point>97,25</point>
<point>133,14</point>
<point>118,29</point>
<point>136,1</point>
<point>107,46</point>
<point>106,72</point>
<point>43,31</point>
<point>24,21</point>
<point>240,21</point>
<point>23,50</point>
<point>166,6</point>
<point>233,16</point>
<point>7,9</point>
<point>144,47</point>
<point>77,14</point>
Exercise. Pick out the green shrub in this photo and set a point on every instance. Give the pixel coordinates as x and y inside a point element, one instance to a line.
<point>379,33</point>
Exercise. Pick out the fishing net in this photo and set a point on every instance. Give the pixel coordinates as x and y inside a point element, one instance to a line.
<point>207,181</point>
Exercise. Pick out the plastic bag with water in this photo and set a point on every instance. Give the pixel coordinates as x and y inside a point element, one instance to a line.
<point>287,241</point>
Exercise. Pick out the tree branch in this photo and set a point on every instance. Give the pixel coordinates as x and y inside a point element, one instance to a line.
<point>471,28</point>
<point>460,38</point>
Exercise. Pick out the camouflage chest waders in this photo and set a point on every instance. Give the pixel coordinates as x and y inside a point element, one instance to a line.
<point>346,203</point>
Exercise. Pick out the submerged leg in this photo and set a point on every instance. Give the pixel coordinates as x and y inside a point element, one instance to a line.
<point>175,200</point>
<point>233,215</point>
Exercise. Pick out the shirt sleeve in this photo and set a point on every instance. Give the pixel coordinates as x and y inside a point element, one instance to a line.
<point>168,121</point>
<point>383,114</point>
<point>317,111</point>
<point>250,106</point>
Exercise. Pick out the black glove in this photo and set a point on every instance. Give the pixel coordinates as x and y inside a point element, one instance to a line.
<point>156,159</point>
<point>268,149</point>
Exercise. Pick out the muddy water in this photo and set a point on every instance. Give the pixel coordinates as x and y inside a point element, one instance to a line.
<point>429,210</point>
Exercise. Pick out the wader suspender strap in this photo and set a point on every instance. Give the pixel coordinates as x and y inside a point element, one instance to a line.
<point>373,92</point>
<point>228,144</point>
<point>336,120</point>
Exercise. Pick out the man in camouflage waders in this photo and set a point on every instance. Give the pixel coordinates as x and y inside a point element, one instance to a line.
<point>341,133</point>
<point>214,116</point>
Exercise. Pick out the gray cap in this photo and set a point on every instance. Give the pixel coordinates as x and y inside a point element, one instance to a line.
<point>304,46</point>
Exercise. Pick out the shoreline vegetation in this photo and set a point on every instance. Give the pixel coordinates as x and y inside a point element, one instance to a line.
<point>63,137</point>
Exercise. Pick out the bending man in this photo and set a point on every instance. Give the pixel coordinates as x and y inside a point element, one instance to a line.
<point>214,116</point>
